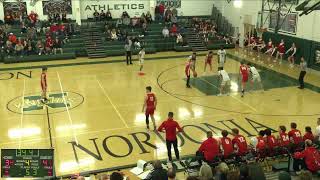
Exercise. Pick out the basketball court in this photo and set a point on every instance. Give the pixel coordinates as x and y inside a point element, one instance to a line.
<point>94,112</point>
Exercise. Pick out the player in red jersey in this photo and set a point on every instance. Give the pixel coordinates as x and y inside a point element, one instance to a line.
<point>261,142</point>
<point>149,106</point>
<point>271,141</point>
<point>295,135</point>
<point>244,71</point>
<point>187,71</point>
<point>226,145</point>
<point>280,50</point>
<point>283,138</point>
<point>308,134</point>
<point>208,61</point>
<point>44,84</point>
<point>239,143</point>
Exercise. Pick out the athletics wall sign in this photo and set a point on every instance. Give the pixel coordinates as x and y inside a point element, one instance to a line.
<point>134,8</point>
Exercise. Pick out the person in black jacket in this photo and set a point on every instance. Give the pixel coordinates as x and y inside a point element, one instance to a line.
<point>158,173</point>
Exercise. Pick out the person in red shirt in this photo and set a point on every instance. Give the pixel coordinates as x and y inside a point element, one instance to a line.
<point>161,10</point>
<point>308,134</point>
<point>44,85</point>
<point>149,106</point>
<point>12,38</point>
<point>208,61</point>
<point>308,158</point>
<point>244,71</point>
<point>226,145</point>
<point>173,30</point>
<point>281,50</point>
<point>295,135</point>
<point>49,45</point>
<point>271,142</point>
<point>209,149</point>
<point>283,138</point>
<point>239,143</point>
<point>171,128</point>
<point>33,17</point>
<point>261,143</point>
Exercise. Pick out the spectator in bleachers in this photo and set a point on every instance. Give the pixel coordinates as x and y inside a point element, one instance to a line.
<point>174,19</point>
<point>239,142</point>
<point>57,17</point>
<point>12,38</point>
<point>148,17</point>
<point>221,171</point>
<point>108,16</point>
<point>144,29</point>
<point>23,28</point>
<point>308,134</point>
<point>174,30</point>
<point>135,21</point>
<point>226,145</point>
<point>102,15</point>
<point>209,149</point>
<point>205,172</point>
<point>29,48</point>
<point>168,13</point>
<point>120,35</point>
<point>49,45</point>
<point>161,11</point>
<point>126,20</point>
<point>309,158</point>
<point>179,39</point>
<point>113,35</point>
<point>158,172</point>
<point>31,33</point>
<point>8,18</point>
<point>64,16</point>
<point>57,45</point>
<point>295,135</point>
<point>125,14</point>
<point>33,17</point>
<point>174,12</point>
<point>143,19</point>
<point>9,49</point>
<point>165,32</point>
<point>19,48</point>
<point>40,47</point>
<point>96,15</point>
<point>317,132</point>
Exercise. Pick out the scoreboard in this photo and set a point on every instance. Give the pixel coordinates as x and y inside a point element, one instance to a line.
<point>27,163</point>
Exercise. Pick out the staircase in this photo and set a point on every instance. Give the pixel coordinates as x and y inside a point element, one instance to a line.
<point>92,37</point>
<point>194,41</point>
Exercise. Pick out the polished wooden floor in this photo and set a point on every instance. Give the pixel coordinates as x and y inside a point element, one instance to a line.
<point>103,126</point>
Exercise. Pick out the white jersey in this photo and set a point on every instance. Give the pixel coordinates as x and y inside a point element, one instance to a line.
<point>222,57</point>
<point>224,75</point>
<point>141,54</point>
<point>254,71</point>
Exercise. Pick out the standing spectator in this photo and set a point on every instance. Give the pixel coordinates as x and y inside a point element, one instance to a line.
<point>303,71</point>
<point>308,134</point>
<point>40,47</point>
<point>317,132</point>
<point>168,13</point>
<point>161,10</point>
<point>149,17</point>
<point>157,12</point>
<point>209,149</point>
<point>134,21</point>
<point>57,46</point>
<point>126,20</point>
<point>128,48</point>
<point>165,32</point>
<point>174,19</point>
<point>170,127</point>
<point>308,158</point>
<point>96,15</point>
<point>158,172</point>
<point>102,15</point>
<point>108,16</point>
<point>239,142</point>
<point>226,144</point>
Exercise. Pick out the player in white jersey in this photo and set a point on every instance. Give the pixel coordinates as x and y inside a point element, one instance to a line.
<point>221,58</point>
<point>225,81</point>
<point>141,57</point>
<point>255,76</point>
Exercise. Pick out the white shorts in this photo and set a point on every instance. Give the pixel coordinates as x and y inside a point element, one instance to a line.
<point>225,82</point>
<point>141,61</point>
<point>256,78</point>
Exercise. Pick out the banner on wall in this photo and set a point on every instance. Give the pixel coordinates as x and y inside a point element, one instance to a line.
<point>57,6</point>
<point>15,8</point>
<point>134,8</point>
<point>170,3</point>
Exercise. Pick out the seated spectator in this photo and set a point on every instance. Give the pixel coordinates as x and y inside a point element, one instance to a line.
<point>113,35</point>
<point>8,18</point>
<point>168,13</point>
<point>174,12</point>
<point>221,171</point>
<point>57,17</point>
<point>125,15</point>
<point>23,28</point>
<point>49,45</point>
<point>31,33</point>
<point>54,28</point>
<point>120,35</point>
<point>174,19</point>
<point>144,29</point>
<point>158,172</point>
<point>179,39</point>
<point>148,17</point>
<point>165,32</point>
<point>96,15</point>
<point>309,158</point>
<point>143,18</point>
<point>40,47</point>
<point>126,21</point>
<point>108,35</point>
<point>295,137</point>
<point>134,21</point>
<point>12,38</point>
<point>9,48</point>
<point>226,145</point>
<point>64,16</point>
<point>119,22</point>
<point>102,15</point>
<point>308,134</point>
<point>57,45</point>
<point>173,30</point>
<point>108,15</point>
<point>205,172</point>
<point>209,149</point>
<point>29,48</point>
<point>19,48</point>
<point>33,17</point>
<point>239,142</point>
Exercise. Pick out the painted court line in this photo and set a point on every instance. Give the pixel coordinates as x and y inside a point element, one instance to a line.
<point>21,117</point>
<point>252,108</point>
<point>67,108</point>
<point>114,107</point>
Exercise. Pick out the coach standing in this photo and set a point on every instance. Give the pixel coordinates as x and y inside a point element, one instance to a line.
<point>303,68</point>
<point>128,47</point>
<point>170,127</point>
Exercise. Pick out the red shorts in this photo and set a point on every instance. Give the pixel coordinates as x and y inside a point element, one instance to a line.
<point>245,78</point>
<point>208,62</point>
<point>150,110</point>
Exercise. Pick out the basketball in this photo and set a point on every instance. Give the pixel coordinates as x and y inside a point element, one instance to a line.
<point>195,74</point>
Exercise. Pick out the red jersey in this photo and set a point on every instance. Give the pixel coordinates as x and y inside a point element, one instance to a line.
<point>244,70</point>
<point>187,69</point>
<point>295,136</point>
<point>209,59</point>
<point>272,142</point>
<point>49,42</point>
<point>241,143</point>
<point>227,146</point>
<point>311,158</point>
<point>150,100</point>
<point>43,80</point>
<point>281,48</point>
<point>210,149</point>
<point>284,139</point>
<point>309,136</point>
<point>261,145</point>
<point>170,126</point>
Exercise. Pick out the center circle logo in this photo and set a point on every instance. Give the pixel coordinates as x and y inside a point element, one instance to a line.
<point>57,102</point>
